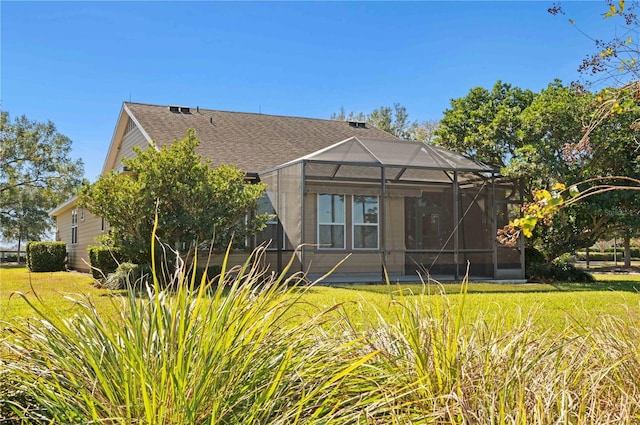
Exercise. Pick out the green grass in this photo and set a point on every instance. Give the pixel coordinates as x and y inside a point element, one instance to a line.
<point>262,351</point>
<point>53,288</point>
<point>549,304</point>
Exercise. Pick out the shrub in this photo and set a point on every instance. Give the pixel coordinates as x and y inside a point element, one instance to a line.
<point>534,261</point>
<point>211,272</point>
<point>539,269</point>
<point>192,357</point>
<point>104,260</point>
<point>604,256</point>
<point>46,256</point>
<point>127,276</point>
<point>635,251</point>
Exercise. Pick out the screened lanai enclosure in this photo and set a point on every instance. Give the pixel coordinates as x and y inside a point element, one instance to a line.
<point>402,207</point>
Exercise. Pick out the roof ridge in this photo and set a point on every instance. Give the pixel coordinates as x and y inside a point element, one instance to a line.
<point>244,113</point>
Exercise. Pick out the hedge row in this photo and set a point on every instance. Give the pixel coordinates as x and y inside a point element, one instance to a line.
<point>46,256</point>
<point>104,260</point>
<point>635,251</point>
<point>604,256</point>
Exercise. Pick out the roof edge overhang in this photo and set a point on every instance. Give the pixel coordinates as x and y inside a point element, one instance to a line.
<point>66,205</point>
<point>118,134</point>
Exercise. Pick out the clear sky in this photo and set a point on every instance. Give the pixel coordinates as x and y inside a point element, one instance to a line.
<point>74,63</point>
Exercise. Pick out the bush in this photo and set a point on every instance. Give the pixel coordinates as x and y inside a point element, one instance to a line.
<point>534,260</point>
<point>104,260</point>
<point>604,256</point>
<point>127,276</point>
<point>212,272</point>
<point>538,268</point>
<point>46,256</point>
<point>558,271</point>
<point>635,251</point>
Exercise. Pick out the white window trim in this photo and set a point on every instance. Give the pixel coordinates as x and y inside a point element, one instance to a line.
<point>354,224</point>
<point>74,227</point>
<point>343,224</point>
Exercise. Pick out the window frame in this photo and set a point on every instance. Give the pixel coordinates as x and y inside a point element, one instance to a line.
<point>74,226</point>
<point>355,224</point>
<point>321,246</point>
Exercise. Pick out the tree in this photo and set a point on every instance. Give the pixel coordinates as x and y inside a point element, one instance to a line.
<point>615,152</point>
<point>485,124</point>
<point>615,63</point>
<point>541,146</point>
<point>193,202</point>
<point>394,120</point>
<point>36,174</point>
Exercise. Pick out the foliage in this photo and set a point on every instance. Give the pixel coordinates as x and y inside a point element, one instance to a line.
<point>36,174</point>
<point>194,202</point>
<point>234,356</point>
<point>565,271</point>
<point>548,204</point>
<point>485,124</point>
<point>394,120</point>
<point>557,271</point>
<point>46,256</point>
<point>104,260</point>
<point>127,276</point>
<point>538,140</point>
<point>615,62</point>
<point>606,256</point>
<point>183,357</point>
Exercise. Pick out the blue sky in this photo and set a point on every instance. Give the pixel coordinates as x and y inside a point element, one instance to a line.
<point>74,63</point>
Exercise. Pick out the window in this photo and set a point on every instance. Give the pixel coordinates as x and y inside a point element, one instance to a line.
<point>365,222</point>
<point>74,227</point>
<point>331,214</point>
<point>270,232</point>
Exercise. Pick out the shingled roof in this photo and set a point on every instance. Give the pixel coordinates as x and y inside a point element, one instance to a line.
<point>254,142</point>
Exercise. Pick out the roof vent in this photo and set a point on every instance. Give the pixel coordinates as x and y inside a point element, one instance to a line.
<point>174,109</point>
<point>358,124</point>
<point>185,110</point>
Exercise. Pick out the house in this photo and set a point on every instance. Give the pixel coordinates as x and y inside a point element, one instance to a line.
<point>337,189</point>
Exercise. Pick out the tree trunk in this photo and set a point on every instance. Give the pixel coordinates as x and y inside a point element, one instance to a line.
<point>586,256</point>
<point>627,251</point>
<point>19,243</point>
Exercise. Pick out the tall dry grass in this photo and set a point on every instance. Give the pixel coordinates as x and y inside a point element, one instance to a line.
<point>435,367</point>
<point>199,353</point>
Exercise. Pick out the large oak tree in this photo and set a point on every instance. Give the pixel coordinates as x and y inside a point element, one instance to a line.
<point>36,173</point>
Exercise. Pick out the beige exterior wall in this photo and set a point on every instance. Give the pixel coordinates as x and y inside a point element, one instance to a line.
<point>133,138</point>
<point>319,260</point>
<point>89,228</point>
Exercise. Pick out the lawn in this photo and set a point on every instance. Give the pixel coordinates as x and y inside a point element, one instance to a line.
<point>447,354</point>
<point>548,304</point>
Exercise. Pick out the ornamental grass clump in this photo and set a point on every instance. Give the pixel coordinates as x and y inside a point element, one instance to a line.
<point>190,354</point>
<point>239,350</point>
<point>435,366</point>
